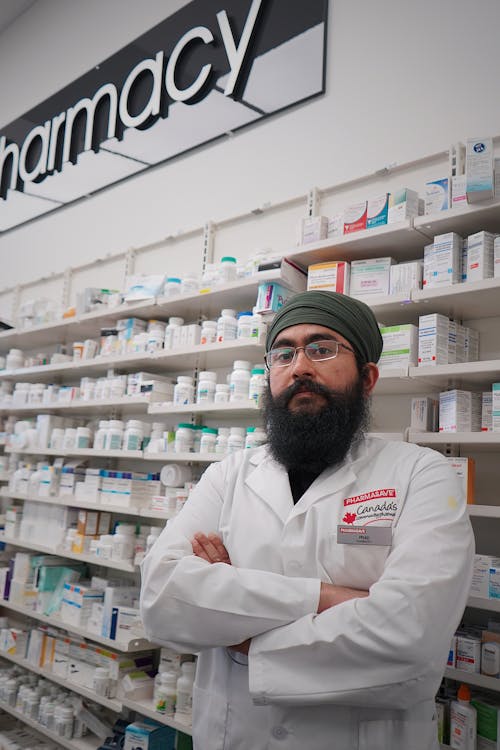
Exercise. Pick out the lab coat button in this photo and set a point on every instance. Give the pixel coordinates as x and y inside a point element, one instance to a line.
<point>279,733</point>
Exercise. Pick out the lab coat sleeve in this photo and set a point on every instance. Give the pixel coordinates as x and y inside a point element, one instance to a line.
<point>190,604</point>
<point>388,649</point>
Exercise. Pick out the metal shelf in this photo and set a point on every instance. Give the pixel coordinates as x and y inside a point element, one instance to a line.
<point>472,299</point>
<point>145,708</point>
<point>492,605</point>
<point>474,217</point>
<point>89,452</point>
<point>483,511</point>
<point>133,646</point>
<point>130,404</point>
<point>92,559</point>
<point>235,408</point>
<point>472,678</point>
<point>488,441</point>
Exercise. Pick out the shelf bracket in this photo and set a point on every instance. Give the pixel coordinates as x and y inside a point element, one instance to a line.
<point>66,288</point>
<point>130,256</point>
<point>313,202</point>
<point>208,244</point>
<point>16,301</point>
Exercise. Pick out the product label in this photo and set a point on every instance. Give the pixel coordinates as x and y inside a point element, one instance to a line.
<point>380,536</point>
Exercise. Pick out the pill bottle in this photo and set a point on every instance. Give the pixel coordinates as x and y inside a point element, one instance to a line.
<point>236,439</point>
<point>184,438</point>
<point>133,435</point>
<point>64,722</point>
<point>83,437</point>
<point>257,385</point>
<point>100,437</point>
<point>184,390</point>
<point>208,440</point>
<point>154,533</point>
<point>101,682</point>
<point>175,475</point>
<point>104,549</point>
<point>222,440</point>
<point>227,325</point>
<point>490,659</point>
<point>190,284</point>
<point>14,360</point>
<point>123,542</point>
<point>156,335</point>
<point>255,437</point>
<point>259,327</point>
<point>57,438</point>
<point>208,332</point>
<point>114,439</point>
<point>166,694</point>
<point>221,393</point>
<point>185,682</point>
<point>244,325</point>
<point>69,441</point>
<point>239,381</point>
<point>78,350</point>
<point>172,286</point>
<point>173,326</point>
<point>227,269</point>
<point>205,391</point>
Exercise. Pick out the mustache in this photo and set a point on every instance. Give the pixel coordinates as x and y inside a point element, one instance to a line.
<point>302,384</point>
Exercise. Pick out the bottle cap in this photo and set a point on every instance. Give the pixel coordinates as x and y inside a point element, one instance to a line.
<point>463,693</point>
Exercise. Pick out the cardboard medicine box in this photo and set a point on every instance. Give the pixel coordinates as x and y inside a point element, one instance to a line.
<point>333,276</point>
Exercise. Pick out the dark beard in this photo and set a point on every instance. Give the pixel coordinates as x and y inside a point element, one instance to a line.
<point>314,440</point>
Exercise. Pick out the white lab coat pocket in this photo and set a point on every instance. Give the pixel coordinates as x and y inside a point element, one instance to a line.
<point>357,565</point>
<point>210,713</point>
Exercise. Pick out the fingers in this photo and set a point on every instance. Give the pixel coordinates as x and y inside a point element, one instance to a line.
<point>210,548</point>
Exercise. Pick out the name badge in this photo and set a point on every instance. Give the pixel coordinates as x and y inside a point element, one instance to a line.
<point>380,536</point>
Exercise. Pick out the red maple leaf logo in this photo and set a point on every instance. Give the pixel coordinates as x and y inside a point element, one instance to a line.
<point>349,518</point>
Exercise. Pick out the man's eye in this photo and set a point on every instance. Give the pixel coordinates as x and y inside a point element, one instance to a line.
<point>285,355</point>
<point>322,350</point>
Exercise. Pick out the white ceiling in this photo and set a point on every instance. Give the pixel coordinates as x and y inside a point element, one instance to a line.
<point>12,9</point>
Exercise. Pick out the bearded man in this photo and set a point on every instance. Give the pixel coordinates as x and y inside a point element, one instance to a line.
<point>320,577</point>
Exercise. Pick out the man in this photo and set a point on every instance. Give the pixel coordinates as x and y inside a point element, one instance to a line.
<point>320,577</point>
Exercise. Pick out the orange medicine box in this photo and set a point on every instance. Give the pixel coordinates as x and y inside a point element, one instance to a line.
<point>332,276</point>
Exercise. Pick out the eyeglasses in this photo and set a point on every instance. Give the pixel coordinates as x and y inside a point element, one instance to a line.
<point>316,351</point>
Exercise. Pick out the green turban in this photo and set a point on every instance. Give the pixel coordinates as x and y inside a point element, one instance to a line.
<point>350,317</point>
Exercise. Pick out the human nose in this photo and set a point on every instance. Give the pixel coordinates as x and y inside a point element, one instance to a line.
<point>301,364</point>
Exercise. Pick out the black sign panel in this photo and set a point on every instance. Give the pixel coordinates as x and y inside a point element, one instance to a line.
<point>209,69</point>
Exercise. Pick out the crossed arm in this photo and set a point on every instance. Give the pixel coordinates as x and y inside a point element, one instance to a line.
<point>209,547</point>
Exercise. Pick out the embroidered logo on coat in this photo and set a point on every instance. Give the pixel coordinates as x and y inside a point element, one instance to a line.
<point>370,507</point>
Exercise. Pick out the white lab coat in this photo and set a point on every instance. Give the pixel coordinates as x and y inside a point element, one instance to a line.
<point>363,674</point>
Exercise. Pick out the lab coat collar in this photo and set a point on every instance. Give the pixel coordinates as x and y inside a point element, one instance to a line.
<point>270,481</point>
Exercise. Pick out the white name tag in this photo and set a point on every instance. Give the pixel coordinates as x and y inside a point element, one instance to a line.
<point>380,536</point>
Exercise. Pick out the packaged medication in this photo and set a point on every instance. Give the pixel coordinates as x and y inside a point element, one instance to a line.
<point>227,269</point>
<point>437,195</point>
<point>487,411</point>
<point>271,297</point>
<point>184,390</point>
<point>239,382</point>
<point>495,406</point>
<point>490,659</point>
<point>433,332</point>
<point>480,584</point>
<point>424,414</point>
<point>471,345</point>
<point>313,229</point>
<point>465,469</point>
<point>227,326</point>
<point>355,217</point>
<point>405,277</point>
<point>480,259</point>
<point>468,653</point>
<point>403,204</point>
<point>377,210</point>
<point>443,261</point>
<point>332,276</point>
<point>463,721</point>
<point>479,166</point>
<point>458,191</point>
<point>459,411</point>
<point>206,387</point>
<point>488,723</point>
<point>370,277</point>
<point>400,346</point>
<point>257,385</point>
<point>172,333</point>
<point>494,579</point>
<point>496,258</point>
<point>335,226</point>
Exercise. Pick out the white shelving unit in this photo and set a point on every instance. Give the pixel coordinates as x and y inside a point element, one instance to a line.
<point>403,241</point>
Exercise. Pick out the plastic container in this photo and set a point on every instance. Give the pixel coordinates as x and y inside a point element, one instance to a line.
<point>184,390</point>
<point>114,440</point>
<point>14,359</point>
<point>174,475</point>
<point>463,721</point>
<point>239,381</point>
<point>101,436</point>
<point>255,437</point>
<point>208,440</point>
<point>190,284</point>
<point>227,269</point>
<point>184,438</point>
<point>259,327</point>
<point>101,682</point>
<point>166,694</point>
<point>257,385</point>
<point>172,286</point>
<point>222,393</point>
<point>227,325</point>
<point>123,543</point>
<point>69,441</point>
<point>208,332</point>
<point>83,437</point>
<point>222,440</point>
<point>57,438</point>
<point>244,325</point>
<point>173,326</point>
<point>205,391</point>
<point>156,336</point>
<point>185,682</point>
<point>133,435</point>
<point>78,347</point>
<point>236,439</point>
<point>197,432</point>
<point>63,724</point>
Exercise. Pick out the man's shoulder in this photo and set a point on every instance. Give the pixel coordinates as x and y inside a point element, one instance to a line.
<point>400,450</point>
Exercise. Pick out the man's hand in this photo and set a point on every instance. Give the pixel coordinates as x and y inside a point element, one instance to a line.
<point>210,548</point>
<point>331,595</point>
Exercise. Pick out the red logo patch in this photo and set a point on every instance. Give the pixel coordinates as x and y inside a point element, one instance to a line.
<point>373,495</point>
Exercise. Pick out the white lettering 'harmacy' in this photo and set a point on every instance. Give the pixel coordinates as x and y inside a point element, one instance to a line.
<point>372,495</point>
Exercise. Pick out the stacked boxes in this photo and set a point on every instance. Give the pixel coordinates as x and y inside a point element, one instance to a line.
<point>370,277</point>
<point>437,195</point>
<point>495,407</point>
<point>479,167</point>
<point>480,260</point>
<point>333,276</point>
<point>355,217</point>
<point>400,346</point>
<point>443,261</point>
<point>465,469</point>
<point>424,414</point>
<point>405,277</point>
<point>459,411</point>
<point>403,204</point>
<point>433,339</point>
<point>377,211</point>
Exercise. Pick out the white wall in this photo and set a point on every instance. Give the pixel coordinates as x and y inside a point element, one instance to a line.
<point>403,80</point>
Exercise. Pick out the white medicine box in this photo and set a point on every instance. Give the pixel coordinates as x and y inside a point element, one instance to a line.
<point>400,348</point>
<point>333,276</point>
<point>370,277</point>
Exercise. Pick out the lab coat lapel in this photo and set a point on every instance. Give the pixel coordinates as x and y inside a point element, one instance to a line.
<point>329,483</point>
<point>270,482</point>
